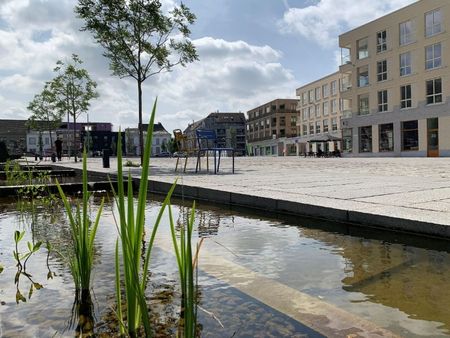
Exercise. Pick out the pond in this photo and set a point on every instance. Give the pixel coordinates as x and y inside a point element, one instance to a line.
<point>257,275</point>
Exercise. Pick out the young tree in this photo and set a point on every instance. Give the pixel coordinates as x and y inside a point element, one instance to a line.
<point>44,114</point>
<point>139,39</point>
<point>73,90</point>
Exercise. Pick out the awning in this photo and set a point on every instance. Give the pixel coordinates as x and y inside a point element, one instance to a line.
<point>324,138</point>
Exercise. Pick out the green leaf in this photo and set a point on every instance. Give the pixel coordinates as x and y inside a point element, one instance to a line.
<point>20,297</point>
<point>37,286</point>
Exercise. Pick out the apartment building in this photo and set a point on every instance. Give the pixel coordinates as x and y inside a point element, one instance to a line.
<point>229,128</point>
<point>270,125</point>
<point>319,114</point>
<point>396,83</point>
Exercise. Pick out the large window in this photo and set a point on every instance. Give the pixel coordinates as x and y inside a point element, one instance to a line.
<point>365,139</point>
<point>386,137</point>
<point>304,114</point>
<point>325,108</point>
<point>363,104</point>
<point>334,87</point>
<point>325,91</point>
<point>410,135</point>
<point>317,93</point>
<point>334,124</point>
<point>382,70</point>
<point>406,33</point>
<point>405,97</point>
<point>333,106</point>
<point>311,96</point>
<point>304,129</point>
<point>381,41</point>
<point>405,64</point>
<point>363,76</point>
<point>433,55</point>
<point>310,111</point>
<point>363,48</point>
<point>305,98</point>
<point>311,128</point>
<point>434,91</point>
<point>433,22</point>
<point>382,100</point>
<point>347,140</point>
<point>317,110</point>
<point>317,127</point>
<point>325,126</point>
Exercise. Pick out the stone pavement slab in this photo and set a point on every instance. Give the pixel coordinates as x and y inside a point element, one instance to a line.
<point>411,194</point>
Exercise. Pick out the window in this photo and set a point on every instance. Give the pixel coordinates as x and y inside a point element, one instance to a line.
<point>381,41</point>
<point>317,93</point>
<point>311,128</point>
<point>334,87</point>
<point>317,127</point>
<point>410,135</point>
<point>325,91</point>
<point>333,106</point>
<point>317,110</point>
<point>405,64</point>
<point>305,98</point>
<point>310,108</point>
<point>347,137</point>
<point>433,22</point>
<point>433,55</point>
<point>282,121</point>
<point>382,101</point>
<point>304,114</point>
<point>363,76</point>
<point>382,70</point>
<point>46,141</point>
<point>325,108</point>
<point>304,129</point>
<point>32,140</point>
<point>311,96</point>
<point>386,137</point>
<point>363,104</point>
<point>293,120</point>
<point>334,125</point>
<point>365,139</point>
<point>434,91</point>
<point>405,97</point>
<point>325,126</point>
<point>406,33</point>
<point>363,48</point>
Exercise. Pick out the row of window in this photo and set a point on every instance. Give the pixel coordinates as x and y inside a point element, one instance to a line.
<point>433,59</point>
<point>433,96</point>
<point>317,110</point>
<point>271,108</point>
<point>319,127</point>
<point>433,26</point>
<point>319,92</point>
<point>267,123</point>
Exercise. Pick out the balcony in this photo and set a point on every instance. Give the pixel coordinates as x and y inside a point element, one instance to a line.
<point>346,114</point>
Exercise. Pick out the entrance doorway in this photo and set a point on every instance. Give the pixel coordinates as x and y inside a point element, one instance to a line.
<point>433,137</point>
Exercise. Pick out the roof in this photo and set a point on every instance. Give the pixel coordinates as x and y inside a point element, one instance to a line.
<point>157,127</point>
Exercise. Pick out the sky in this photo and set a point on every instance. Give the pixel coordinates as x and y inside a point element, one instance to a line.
<point>251,52</point>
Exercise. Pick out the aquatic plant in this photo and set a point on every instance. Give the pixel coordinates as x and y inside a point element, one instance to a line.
<point>83,232</point>
<point>22,267</point>
<point>131,234</point>
<point>186,266</point>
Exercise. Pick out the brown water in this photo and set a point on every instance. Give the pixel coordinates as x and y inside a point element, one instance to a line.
<point>399,287</point>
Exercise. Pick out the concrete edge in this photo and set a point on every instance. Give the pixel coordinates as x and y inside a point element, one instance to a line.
<point>292,208</point>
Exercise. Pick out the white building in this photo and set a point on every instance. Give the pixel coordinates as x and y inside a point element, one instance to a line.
<point>33,145</point>
<point>161,138</point>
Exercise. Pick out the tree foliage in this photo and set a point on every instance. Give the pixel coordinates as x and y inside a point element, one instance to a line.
<point>139,39</point>
<point>73,89</point>
<point>44,114</point>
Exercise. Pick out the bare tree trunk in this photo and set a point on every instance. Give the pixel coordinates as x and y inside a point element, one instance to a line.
<point>75,136</point>
<point>141,129</point>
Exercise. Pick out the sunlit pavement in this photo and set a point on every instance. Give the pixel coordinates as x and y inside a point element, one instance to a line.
<point>413,193</point>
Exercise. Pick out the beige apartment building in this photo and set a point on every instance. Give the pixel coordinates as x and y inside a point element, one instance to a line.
<point>395,83</point>
<point>270,125</point>
<point>319,113</point>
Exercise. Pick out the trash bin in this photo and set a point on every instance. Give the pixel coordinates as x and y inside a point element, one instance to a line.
<point>105,158</point>
<point>53,157</point>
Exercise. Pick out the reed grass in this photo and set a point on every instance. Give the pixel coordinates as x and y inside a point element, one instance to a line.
<point>83,232</point>
<point>131,233</point>
<point>186,267</point>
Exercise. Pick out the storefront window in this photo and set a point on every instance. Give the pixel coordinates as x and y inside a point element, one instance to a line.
<point>347,140</point>
<point>386,137</point>
<point>410,135</point>
<point>365,139</point>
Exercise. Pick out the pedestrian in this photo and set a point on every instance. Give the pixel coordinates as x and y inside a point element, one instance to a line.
<point>58,145</point>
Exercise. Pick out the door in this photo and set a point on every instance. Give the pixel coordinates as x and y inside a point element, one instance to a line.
<point>433,137</point>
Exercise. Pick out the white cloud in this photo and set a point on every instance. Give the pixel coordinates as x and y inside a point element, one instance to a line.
<point>323,21</point>
<point>230,76</point>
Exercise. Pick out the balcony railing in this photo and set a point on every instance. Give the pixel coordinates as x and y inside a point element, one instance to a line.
<point>346,86</point>
<point>347,114</point>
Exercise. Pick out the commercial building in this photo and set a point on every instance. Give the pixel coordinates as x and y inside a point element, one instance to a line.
<point>396,83</point>
<point>270,125</point>
<point>229,128</point>
<point>320,111</point>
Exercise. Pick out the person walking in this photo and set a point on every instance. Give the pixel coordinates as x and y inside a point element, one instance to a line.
<point>58,145</point>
